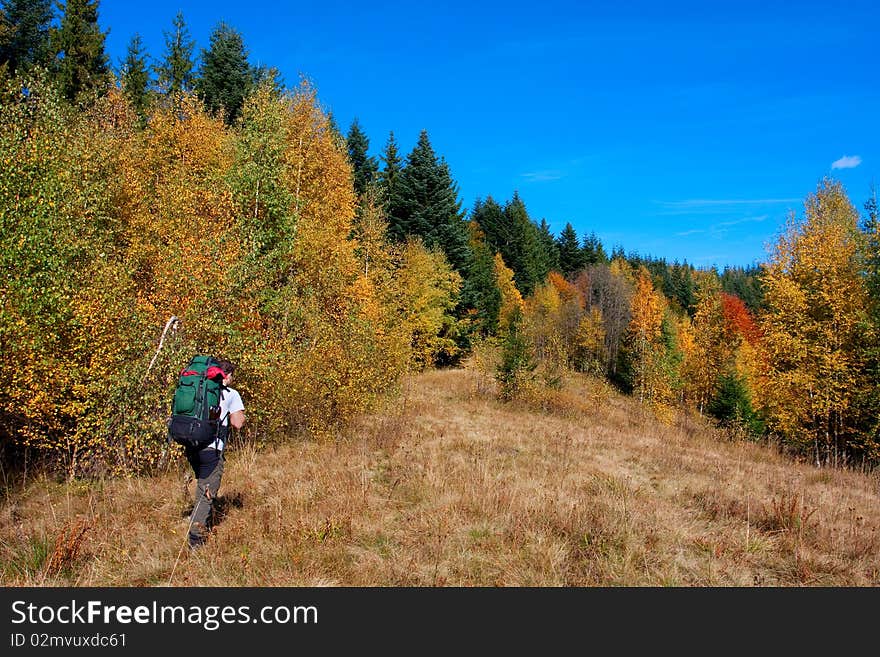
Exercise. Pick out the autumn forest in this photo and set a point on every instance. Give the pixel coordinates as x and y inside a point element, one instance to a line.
<point>205,189</point>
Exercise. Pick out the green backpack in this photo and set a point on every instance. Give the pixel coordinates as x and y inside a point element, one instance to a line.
<point>195,409</point>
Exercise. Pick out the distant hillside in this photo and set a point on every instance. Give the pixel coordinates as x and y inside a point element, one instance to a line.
<point>451,487</point>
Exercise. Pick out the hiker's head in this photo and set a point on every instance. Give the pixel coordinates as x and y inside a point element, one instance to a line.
<point>228,368</point>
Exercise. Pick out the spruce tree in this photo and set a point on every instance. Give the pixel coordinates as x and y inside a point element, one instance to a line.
<point>78,43</point>
<point>594,252</point>
<point>364,167</point>
<point>511,232</point>
<point>135,77</point>
<point>490,216</point>
<point>335,132</point>
<point>175,73</point>
<point>518,362</point>
<point>479,292</point>
<point>388,178</point>
<point>571,257</point>
<point>522,251</point>
<point>225,78</point>
<point>24,33</point>
<point>425,203</point>
<point>549,250</point>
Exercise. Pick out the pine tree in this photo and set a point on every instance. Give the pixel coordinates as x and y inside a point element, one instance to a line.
<point>480,292</point>
<point>732,404</point>
<point>80,61</point>
<point>594,252</point>
<point>135,77</point>
<point>425,203</point>
<point>225,78</point>
<point>523,250</point>
<point>175,73</point>
<point>518,362</point>
<point>570,255</point>
<point>335,133</point>
<point>744,282</point>
<point>511,232</point>
<point>490,217</point>
<point>364,167</point>
<point>389,175</point>
<point>24,33</point>
<point>549,250</point>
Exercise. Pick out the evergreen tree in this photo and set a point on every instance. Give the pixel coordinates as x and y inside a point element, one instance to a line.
<point>335,132</point>
<point>225,78</point>
<point>389,175</point>
<point>135,77</point>
<point>175,73</point>
<point>490,217</point>
<point>518,362</point>
<point>549,250</point>
<point>870,226</point>
<point>744,282</point>
<point>523,253</point>
<point>679,285</point>
<point>24,33</point>
<point>80,61</point>
<point>570,255</point>
<point>425,203</point>
<point>731,404</point>
<point>510,232</point>
<point>480,293</point>
<point>364,167</point>
<point>594,252</point>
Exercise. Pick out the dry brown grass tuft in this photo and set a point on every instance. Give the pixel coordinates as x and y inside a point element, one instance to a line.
<point>68,547</point>
<point>448,486</point>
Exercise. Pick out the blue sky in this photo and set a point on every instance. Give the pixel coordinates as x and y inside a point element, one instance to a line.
<point>683,130</point>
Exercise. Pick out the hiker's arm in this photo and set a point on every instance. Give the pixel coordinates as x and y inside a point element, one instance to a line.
<point>236,419</point>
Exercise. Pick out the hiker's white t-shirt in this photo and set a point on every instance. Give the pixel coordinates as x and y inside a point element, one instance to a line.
<point>229,403</point>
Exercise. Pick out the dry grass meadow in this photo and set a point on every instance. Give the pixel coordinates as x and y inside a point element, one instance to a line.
<point>449,486</point>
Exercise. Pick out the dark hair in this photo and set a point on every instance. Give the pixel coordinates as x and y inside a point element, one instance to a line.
<point>227,366</point>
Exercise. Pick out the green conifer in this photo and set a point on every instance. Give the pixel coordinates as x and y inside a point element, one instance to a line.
<point>135,77</point>
<point>24,33</point>
<point>225,77</point>
<point>175,72</point>
<point>364,167</point>
<point>80,65</point>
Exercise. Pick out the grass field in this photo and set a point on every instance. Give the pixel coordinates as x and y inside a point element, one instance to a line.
<point>448,486</point>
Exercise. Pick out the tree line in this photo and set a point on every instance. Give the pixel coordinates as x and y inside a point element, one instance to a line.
<point>216,194</point>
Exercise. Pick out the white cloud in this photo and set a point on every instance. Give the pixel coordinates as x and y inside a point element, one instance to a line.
<point>699,205</point>
<point>543,176</point>
<point>744,220</point>
<point>847,162</point>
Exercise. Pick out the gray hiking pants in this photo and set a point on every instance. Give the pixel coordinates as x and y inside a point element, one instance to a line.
<point>207,465</point>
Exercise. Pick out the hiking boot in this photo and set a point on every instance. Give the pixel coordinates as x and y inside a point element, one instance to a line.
<point>196,535</point>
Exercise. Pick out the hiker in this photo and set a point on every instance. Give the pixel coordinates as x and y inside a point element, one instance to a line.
<point>207,463</point>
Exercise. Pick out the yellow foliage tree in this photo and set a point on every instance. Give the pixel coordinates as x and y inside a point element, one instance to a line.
<point>511,299</point>
<point>814,328</point>
<point>644,332</point>
<point>427,288</point>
